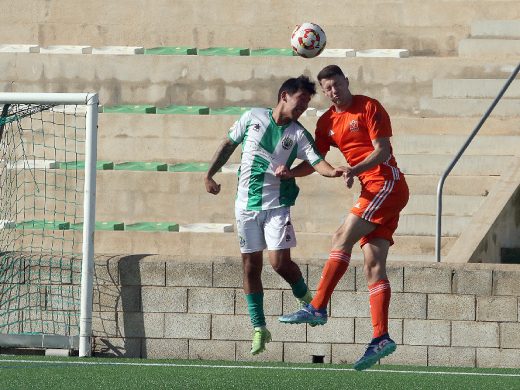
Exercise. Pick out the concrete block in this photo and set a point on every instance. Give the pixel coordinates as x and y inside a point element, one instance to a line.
<point>206,227</point>
<point>106,270</point>
<point>164,348</point>
<point>302,352</point>
<point>392,53</point>
<point>187,326</point>
<point>477,282</point>
<point>189,274</point>
<point>105,324</point>
<point>451,356</point>
<point>164,299</point>
<point>474,334</point>
<point>213,301</point>
<point>66,49</point>
<point>498,358</point>
<point>237,327</point>
<point>497,309</point>
<point>227,274</point>
<point>141,324</point>
<point>506,282</point>
<point>115,298</point>
<point>347,282</point>
<point>337,330</point>
<point>406,305</point>
<point>118,50</point>
<point>509,332</point>
<point>365,331</point>
<point>451,307</point>
<point>286,332</point>
<point>116,347</point>
<point>212,350</point>
<point>349,304</point>
<point>395,276</point>
<point>347,353</point>
<point>134,270</point>
<point>270,279</point>
<point>426,332</point>
<point>427,279</point>
<point>273,352</point>
<point>408,355</point>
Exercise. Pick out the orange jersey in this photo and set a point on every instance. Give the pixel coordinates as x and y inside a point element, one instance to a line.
<point>352,132</point>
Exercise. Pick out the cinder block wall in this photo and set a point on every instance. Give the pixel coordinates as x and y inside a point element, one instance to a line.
<point>440,314</point>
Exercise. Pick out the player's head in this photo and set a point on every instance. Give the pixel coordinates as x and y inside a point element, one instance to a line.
<point>335,85</point>
<point>294,96</point>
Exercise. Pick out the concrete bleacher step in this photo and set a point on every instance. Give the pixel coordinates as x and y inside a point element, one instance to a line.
<point>495,28</point>
<point>469,107</point>
<point>489,48</point>
<point>474,88</point>
<point>312,246</point>
<point>171,50</point>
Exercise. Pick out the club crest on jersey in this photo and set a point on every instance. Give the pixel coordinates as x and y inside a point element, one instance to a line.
<point>353,125</point>
<point>287,143</point>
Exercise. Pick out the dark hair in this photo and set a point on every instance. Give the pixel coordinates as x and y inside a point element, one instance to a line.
<point>293,85</point>
<point>329,72</point>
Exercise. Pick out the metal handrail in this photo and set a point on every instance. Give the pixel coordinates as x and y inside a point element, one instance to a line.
<point>458,156</point>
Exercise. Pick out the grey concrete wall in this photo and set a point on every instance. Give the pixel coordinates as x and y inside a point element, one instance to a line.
<point>440,314</point>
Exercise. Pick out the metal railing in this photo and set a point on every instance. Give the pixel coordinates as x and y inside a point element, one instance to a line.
<point>458,156</point>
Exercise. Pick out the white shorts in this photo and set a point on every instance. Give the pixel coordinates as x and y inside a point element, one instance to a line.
<point>271,229</point>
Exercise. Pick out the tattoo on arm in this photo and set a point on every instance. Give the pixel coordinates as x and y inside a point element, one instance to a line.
<point>222,155</point>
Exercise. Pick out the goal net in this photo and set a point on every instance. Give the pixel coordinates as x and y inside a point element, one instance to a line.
<point>47,190</point>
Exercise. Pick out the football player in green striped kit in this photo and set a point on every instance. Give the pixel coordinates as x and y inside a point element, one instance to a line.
<point>271,140</point>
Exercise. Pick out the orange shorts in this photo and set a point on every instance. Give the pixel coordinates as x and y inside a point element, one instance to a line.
<point>381,202</point>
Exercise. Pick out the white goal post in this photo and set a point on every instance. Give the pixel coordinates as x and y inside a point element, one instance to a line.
<point>87,105</point>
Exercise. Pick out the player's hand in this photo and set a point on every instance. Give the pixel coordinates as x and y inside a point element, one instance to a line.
<point>348,176</point>
<point>211,185</point>
<point>282,172</point>
<point>339,171</point>
<point>349,180</point>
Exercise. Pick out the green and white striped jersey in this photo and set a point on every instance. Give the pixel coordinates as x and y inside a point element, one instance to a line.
<point>265,146</point>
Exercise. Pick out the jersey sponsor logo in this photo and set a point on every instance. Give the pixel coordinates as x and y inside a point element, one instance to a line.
<point>254,126</point>
<point>353,125</point>
<point>287,143</point>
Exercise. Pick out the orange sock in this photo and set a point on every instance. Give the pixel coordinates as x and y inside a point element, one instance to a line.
<point>334,269</point>
<point>379,302</point>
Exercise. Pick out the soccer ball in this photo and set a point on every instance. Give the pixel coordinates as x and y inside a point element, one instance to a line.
<point>308,40</point>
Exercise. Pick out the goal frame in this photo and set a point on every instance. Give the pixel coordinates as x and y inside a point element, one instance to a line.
<point>91,101</point>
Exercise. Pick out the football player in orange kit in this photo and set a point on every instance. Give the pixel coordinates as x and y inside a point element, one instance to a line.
<point>360,127</point>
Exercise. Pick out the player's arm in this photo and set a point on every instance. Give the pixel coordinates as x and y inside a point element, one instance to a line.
<point>381,153</point>
<point>221,156</point>
<point>304,168</point>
